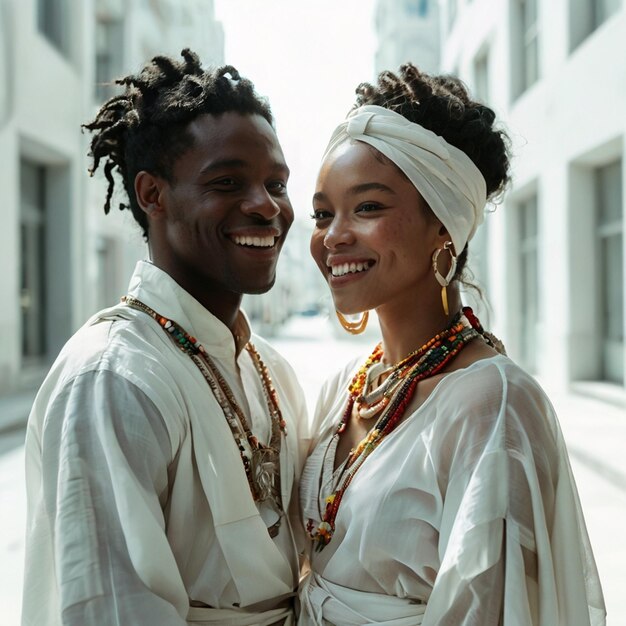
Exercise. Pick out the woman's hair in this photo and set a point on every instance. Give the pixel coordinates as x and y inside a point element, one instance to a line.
<point>442,104</point>
<point>144,129</point>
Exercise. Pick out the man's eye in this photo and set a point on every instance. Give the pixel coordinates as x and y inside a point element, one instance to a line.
<point>277,185</point>
<point>226,182</point>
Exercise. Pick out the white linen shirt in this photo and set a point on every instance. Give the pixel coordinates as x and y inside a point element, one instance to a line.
<point>138,502</point>
<point>469,506</point>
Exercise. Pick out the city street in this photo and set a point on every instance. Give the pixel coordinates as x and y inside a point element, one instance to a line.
<point>595,433</point>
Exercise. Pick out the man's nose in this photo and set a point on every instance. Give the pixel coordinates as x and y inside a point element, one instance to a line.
<point>260,203</point>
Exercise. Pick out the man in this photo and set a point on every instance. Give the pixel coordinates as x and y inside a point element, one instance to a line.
<point>162,449</point>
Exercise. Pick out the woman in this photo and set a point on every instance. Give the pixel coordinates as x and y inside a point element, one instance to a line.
<point>438,491</point>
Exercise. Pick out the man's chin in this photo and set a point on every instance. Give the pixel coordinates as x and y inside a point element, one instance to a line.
<point>255,290</point>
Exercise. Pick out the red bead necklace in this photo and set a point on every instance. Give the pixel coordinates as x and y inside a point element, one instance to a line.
<point>423,363</point>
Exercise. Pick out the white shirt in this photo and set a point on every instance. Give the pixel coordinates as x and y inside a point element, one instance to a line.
<point>469,506</point>
<point>138,502</point>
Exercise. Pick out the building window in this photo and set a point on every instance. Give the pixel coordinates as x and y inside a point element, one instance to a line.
<point>481,77</point>
<point>109,56</point>
<point>107,268</point>
<point>453,7</point>
<point>587,15</point>
<point>417,7</point>
<point>32,256</point>
<point>526,41</point>
<point>529,280</point>
<point>609,239</point>
<point>52,22</point>
<point>603,9</point>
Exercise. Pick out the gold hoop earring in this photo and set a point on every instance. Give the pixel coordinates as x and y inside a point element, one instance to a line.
<point>354,328</point>
<point>444,281</point>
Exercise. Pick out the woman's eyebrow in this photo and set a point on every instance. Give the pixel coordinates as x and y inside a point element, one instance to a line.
<point>358,189</point>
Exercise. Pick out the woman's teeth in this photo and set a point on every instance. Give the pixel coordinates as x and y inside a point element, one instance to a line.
<point>348,268</point>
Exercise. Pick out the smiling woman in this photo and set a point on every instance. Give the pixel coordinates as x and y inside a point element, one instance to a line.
<point>438,490</point>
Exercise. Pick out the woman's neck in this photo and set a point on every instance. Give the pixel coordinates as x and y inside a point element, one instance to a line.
<point>405,327</point>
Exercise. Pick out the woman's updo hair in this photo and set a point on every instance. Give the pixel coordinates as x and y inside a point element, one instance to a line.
<point>442,104</point>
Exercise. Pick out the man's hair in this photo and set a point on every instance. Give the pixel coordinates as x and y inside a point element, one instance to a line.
<point>145,128</point>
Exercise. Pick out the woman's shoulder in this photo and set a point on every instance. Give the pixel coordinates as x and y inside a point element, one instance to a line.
<point>495,394</point>
<point>495,377</point>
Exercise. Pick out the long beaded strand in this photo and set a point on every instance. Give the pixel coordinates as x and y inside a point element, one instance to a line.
<point>225,398</point>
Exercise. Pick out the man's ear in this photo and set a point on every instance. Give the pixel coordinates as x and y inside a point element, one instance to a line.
<point>148,189</point>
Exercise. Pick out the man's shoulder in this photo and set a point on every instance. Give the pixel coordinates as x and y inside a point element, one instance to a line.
<point>127,346</point>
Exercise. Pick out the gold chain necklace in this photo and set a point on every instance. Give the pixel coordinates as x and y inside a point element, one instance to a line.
<point>262,463</point>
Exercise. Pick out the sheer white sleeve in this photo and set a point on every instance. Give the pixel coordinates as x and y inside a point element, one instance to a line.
<point>513,546</point>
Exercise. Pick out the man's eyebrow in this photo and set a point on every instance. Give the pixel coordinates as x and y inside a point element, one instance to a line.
<point>358,189</point>
<point>214,166</point>
<point>222,164</point>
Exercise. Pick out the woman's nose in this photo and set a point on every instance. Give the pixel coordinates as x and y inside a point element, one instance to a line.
<point>338,233</point>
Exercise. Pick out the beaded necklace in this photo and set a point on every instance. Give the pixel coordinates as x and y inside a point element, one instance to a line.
<point>423,363</point>
<point>262,464</point>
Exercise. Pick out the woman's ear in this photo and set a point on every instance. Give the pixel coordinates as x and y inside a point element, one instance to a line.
<point>443,236</point>
<point>148,188</point>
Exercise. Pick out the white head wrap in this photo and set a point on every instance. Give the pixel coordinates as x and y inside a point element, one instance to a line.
<point>445,176</point>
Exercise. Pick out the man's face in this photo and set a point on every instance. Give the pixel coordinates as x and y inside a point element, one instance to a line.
<point>227,212</point>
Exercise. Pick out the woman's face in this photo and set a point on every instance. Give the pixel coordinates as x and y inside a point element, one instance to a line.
<point>374,235</point>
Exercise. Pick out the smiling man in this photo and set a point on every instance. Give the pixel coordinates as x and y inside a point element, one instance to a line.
<point>162,449</point>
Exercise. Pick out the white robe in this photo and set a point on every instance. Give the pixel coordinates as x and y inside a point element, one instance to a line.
<point>138,502</point>
<point>469,506</point>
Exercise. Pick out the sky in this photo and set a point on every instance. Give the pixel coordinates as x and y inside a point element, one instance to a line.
<point>307,57</point>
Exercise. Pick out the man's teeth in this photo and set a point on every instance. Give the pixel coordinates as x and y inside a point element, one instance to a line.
<point>257,242</point>
<point>349,268</point>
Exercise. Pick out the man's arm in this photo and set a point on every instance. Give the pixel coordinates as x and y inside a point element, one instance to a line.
<point>105,453</point>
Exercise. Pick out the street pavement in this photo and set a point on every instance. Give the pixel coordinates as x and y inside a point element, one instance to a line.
<point>595,432</point>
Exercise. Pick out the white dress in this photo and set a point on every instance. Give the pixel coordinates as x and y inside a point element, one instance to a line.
<point>138,502</point>
<point>466,514</point>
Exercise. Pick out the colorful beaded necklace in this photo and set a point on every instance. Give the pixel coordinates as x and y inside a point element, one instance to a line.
<point>427,361</point>
<point>262,464</point>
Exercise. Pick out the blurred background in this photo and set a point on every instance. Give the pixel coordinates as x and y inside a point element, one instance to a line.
<point>550,257</point>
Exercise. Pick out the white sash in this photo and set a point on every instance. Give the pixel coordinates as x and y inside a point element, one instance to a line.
<point>199,616</point>
<point>323,603</point>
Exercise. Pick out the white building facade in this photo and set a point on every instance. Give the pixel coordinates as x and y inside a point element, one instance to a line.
<point>553,254</point>
<point>62,258</point>
<point>407,30</point>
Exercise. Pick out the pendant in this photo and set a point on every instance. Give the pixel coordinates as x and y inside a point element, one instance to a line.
<point>366,412</point>
<point>264,472</point>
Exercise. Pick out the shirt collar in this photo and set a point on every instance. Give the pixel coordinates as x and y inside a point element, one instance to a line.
<point>162,293</point>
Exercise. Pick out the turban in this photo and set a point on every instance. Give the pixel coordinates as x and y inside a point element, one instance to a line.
<point>445,176</point>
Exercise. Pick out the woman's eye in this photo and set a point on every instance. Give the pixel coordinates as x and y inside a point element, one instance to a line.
<point>368,207</point>
<point>320,214</point>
